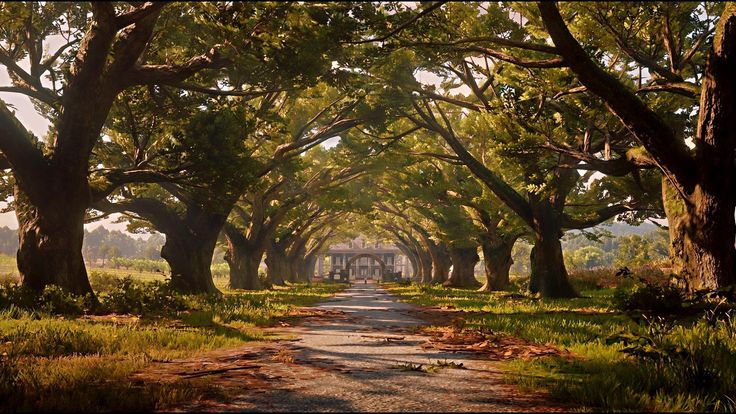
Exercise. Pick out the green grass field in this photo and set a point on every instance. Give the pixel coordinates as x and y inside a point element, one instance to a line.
<point>66,363</point>
<point>600,376</point>
<point>9,270</point>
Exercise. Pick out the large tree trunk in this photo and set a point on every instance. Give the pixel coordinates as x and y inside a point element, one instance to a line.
<point>425,266</point>
<point>190,260</point>
<point>497,262</point>
<point>299,269</point>
<point>708,244</point>
<point>50,242</point>
<point>277,267</point>
<point>440,263</point>
<point>548,274</point>
<point>710,228</point>
<point>463,267</point>
<point>310,264</point>
<point>244,262</point>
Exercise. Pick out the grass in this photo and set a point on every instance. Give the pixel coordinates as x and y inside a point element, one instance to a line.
<point>703,378</point>
<point>9,272</point>
<point>62,363</point>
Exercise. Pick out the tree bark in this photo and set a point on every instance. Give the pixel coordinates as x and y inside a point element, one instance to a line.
<point>310,264</point>
<point>412,259</point>
<point>497,262</point>
<point>710,227</point>
<point>676,212</point>
<point>244,261</point>
<point>50,242</point>
<point>440,262</point>
<point>548,274</point>
<point>277,267</point>
<point>425,266</point>
<point>464,260</point>
<point>190,260</point>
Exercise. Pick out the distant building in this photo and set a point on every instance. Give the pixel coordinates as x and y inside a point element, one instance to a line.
<point>365,260</point>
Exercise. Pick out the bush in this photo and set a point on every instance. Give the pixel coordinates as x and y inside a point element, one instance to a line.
<point>649,299</point>
<point>103,282</point>
<point>8,278</point>
<point>592,279</point>
<point>52,300</point>
<point>130,296</point>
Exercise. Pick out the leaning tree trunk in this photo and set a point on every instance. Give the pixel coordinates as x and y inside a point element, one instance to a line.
<point>440,263</point>
<point>425,266</point>
<point>50,239</point>
<point>548,273</point>
<point>497,262</point>
<point>413,260</point>
<point>310,264</point>
<point>463,267</point>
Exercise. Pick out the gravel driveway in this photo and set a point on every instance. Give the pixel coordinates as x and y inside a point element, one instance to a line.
<point>361,361</point>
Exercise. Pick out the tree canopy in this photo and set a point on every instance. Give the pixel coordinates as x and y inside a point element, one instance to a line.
<point>454,130</point>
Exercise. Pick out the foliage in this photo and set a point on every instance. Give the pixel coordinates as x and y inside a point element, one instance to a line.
<point>53,300</point>
<point>141,265</point>
<point>635,250</point>
<point>649,298</point>
<point>130,296</point>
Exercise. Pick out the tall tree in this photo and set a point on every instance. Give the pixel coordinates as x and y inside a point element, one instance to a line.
<point>109,48</point>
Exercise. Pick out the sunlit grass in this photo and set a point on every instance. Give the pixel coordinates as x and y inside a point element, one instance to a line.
<point>599,376</point>
<point>67,364</point>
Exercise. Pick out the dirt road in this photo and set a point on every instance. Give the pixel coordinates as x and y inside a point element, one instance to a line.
<point>368,358</point>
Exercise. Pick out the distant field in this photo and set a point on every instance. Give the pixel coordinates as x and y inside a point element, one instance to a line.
<point>8,267</point>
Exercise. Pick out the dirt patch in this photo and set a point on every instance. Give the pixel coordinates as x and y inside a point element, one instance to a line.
<point>494,346</point>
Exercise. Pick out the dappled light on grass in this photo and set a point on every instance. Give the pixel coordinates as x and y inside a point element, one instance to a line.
<point>85,363</point>
<point>686,366</point>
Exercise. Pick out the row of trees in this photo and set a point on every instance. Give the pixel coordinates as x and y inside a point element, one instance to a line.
<point>203,121</point>
<point>99,244</point>
<point>631,250</point>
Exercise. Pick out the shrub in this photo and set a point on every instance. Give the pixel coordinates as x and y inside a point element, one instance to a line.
<point>649,299</point>
<point>8,278</point>
<point>52,300</point>
<point>130,296</point>
<point>55,301</point>
<point>103,282</point>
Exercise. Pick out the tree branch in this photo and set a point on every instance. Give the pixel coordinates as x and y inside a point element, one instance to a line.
<point>671,154</point>
<point>401,27</point>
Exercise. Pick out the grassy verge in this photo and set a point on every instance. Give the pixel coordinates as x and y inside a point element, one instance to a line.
<point>689,366</point>
<point>70,363</point>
